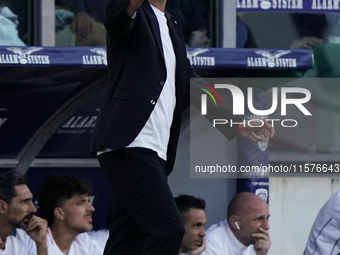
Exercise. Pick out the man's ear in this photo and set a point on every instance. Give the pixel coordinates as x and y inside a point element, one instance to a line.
<point>232,219</point>
<point>3,206</point>
<point>59,213</point>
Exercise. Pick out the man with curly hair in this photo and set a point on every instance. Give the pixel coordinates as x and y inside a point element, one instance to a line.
<point>64,202</point>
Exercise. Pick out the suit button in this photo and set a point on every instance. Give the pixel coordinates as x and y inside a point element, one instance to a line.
<point>153,102</point>
<point>161,83</point>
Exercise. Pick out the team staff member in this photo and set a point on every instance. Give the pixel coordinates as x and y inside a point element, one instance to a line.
<point>64,202</point>
<point>194,220</point>
<point>21,232</point>
<point>245,231</point>
<point>138,126</point>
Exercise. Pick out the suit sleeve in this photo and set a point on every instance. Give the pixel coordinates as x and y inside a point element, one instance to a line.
<point>118,21</point>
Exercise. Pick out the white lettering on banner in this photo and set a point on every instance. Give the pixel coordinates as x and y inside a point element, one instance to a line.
<point>23,56</point>
<point>202,61</point>
<point>271,60</point>
<point>78,125</point>
<point>249,4</point>
<point>325,5</point>
<point>99,59</point>
<point>9,59</point>
<point>15,59</point>
<point>287,4</point>
<point>257,62</point>
<point>92,60</point>
<point>196,60</point>
<point>270,4</point>
<point>37,59</point>
<point>81,122</point>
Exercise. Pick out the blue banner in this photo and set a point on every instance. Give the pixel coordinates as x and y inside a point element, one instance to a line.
<point>251,58</point>
<point>310,6</point>
<point>199,57</point>
<point>55,56</point>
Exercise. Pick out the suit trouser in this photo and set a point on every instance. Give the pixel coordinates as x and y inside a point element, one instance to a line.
<point>144,218</point>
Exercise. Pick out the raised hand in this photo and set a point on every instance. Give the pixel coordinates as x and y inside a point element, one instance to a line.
<point>263,242</point>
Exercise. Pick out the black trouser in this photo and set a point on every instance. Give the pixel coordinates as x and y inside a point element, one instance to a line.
<point>144,218</point>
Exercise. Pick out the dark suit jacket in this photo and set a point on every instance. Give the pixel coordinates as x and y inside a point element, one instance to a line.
<point>137,74</point>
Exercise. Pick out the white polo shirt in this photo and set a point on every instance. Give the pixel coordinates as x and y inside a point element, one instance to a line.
<point>100,237</point>
<point>220,240</point>
<point>19,243</point>
<point>82,245</point>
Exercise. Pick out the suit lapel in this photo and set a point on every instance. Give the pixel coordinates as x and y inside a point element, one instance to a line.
<point>154,25</point>
<point>178,44</point>
<point>176,38</point>
<point>175,34</point>
<point>172,29</point>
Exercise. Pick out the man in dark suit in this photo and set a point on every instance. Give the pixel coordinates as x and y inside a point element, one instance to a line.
<point>138,126</point>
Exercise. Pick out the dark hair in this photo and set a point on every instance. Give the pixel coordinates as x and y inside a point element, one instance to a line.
<point>185,202</point>
<point>55,190</point>
<point>8,181</point>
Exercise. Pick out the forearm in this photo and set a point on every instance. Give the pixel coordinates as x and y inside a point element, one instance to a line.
<point>41,248</point>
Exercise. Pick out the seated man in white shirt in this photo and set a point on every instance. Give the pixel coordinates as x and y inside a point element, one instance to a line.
<point>21,232</point>
<point>65,203</point>
<point>325,233</point>
<point>244,232</point>
<point>194,220</point>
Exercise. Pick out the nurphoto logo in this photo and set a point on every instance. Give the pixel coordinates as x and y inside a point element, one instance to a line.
<point>302,96</point>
